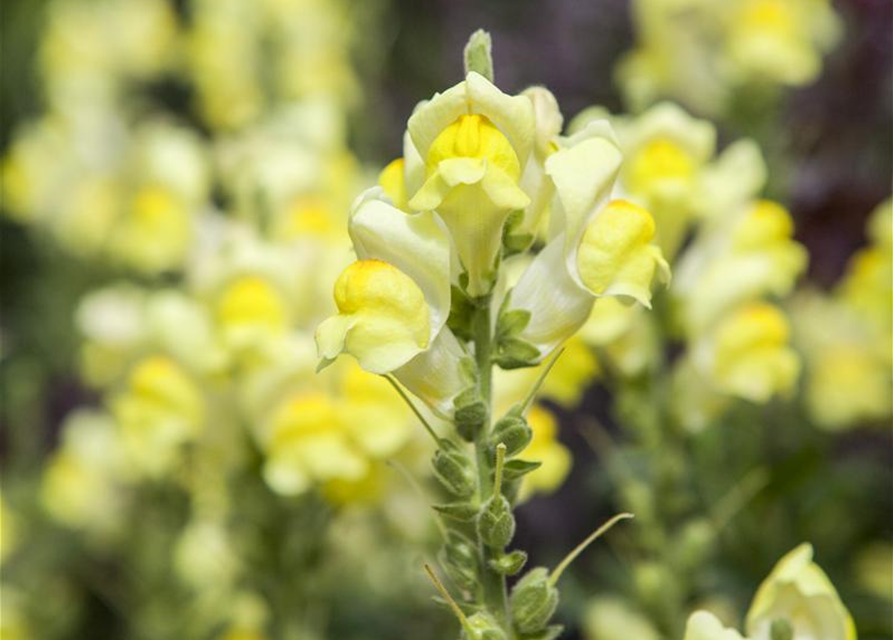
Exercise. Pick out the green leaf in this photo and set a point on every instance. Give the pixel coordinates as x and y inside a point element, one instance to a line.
<point>515,469</point>
<point>460,511</point>
<point>515,354</point>
<point>461,313</point>
<point>511,323</point>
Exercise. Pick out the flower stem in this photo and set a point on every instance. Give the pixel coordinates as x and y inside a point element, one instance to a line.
<point>495,597</point>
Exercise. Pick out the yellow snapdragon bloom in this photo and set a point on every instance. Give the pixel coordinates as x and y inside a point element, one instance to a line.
<point>394,302</point>
<point>667,153</point>
<point>706,54</point>
<point>475,141</point>
<point>752,358</point>
<point>613,618</point>
<point>779,40</point>
<point>847,384</point>
<point>867,286</point>
<point>798,591</point>
<point>703,625</point>
<point>545,448</point>
<point>307,443</point>
<point>383,316</point>
<point>81,483</point>
<point>251,314</point>
<point>616,256</point>
<point>738,260</point>
<point>159,409</point>
<point>603,248</point>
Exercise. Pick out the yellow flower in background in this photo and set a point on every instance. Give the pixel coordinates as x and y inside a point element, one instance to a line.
<point>752,357</point>
<point>779,40</point>
<point>867,285</point>
<point>81,483</point>
<point>799,592</point>
<point>848,384</point>
<point>157,215</point>
<point>251,313</point>
<point>613,618</point>
<point>89,49</point>
<point>707,54</point>
<point>737,260</point>
<point>545,448</point>
<point>158,410</point>
<point>307,442</point>
<point>703,625</point>
<point>847,337</point>
<point>796,596</point>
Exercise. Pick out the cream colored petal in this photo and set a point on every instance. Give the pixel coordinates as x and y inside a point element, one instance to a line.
<point>435,375</point>
<point>432,117</point>
<point>703,625</point>
<point>417,244</point>
<point>584,176</point>
<point>512,114</point>
<point>557,304</point>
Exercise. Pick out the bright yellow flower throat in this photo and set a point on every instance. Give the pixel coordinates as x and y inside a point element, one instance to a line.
<point>474,136</point>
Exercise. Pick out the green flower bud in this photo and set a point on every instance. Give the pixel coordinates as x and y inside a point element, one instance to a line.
<point>483,626</point>
<point>471,413</point>
<point>496,524</point>
<point>459,558</point>
<point>454,469</point>
<point>513,432</point>
<point>533,601</point>
<point>510,563</point>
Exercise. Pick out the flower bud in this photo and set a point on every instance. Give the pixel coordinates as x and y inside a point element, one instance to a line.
<point>513,432</point>
<point>533,601</point>
<point>482,626</point>
<point>460,560</point>
<point>496,524</point>
<point>471,413</point>
<point>454,469</point>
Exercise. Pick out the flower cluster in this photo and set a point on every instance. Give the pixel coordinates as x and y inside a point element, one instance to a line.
<point>845,336</point>
<point>733,254</point>
<point>796,600</point>
<point>702,53</point>
<point>433,302</point>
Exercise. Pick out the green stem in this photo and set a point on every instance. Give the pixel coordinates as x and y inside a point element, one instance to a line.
<point>495,596</point>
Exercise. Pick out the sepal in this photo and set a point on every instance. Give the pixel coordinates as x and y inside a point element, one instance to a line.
<point>458,511</point>
<point>513,431</point>
<point>470,413</point>
<point>483,626</point>
<point>496,524</point>
<point>510,563</point>
<point>533,601</point>
<point>454,470</point>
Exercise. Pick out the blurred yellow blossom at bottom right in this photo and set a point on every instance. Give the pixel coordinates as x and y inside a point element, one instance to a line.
<point>795,602</point>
